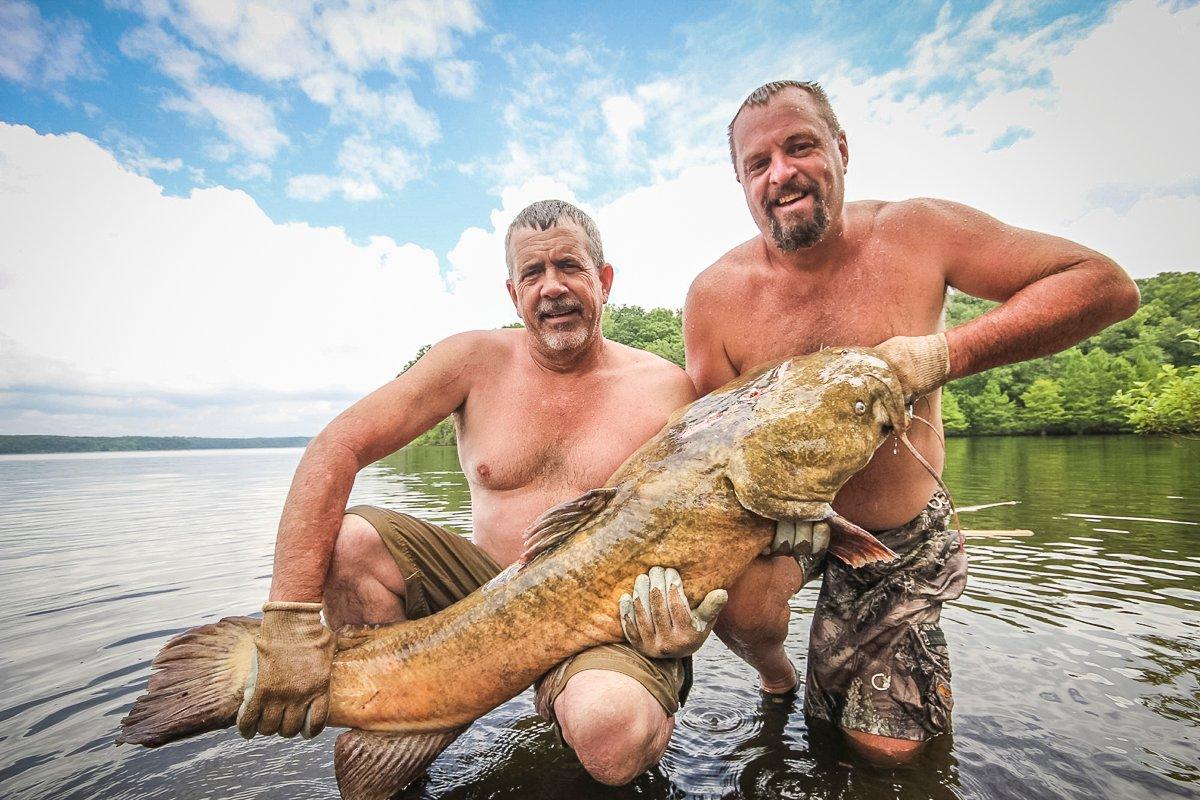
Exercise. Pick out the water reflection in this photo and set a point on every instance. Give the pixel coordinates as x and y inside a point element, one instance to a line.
<point>1075,651</point>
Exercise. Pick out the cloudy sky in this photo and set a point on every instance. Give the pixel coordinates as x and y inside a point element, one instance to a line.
<point>229,217</point>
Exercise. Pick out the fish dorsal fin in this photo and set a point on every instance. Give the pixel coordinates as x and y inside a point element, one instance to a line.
<point>562,522</point>
<point>375,765</point>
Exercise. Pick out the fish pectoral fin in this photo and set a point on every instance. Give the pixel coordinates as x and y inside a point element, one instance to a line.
<point>563,521</point>
<point>855,546</point>
<point>375,765</point>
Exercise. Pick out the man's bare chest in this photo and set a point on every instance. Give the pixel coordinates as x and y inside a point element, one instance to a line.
<point>865,306</point>
<point>512,439</point>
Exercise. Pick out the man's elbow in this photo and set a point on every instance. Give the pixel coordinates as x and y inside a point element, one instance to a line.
<point>338,444</point>
<point>1123,295</point>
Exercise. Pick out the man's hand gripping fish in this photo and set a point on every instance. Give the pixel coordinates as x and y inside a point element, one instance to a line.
<point>705,495</point>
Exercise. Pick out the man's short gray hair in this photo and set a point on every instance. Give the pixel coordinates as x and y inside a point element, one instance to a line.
<point>545,213</point>
<point>763,94</point>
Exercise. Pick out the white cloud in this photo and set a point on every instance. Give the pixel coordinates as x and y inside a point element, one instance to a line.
<point>36,51</point>
<point>367,169</point>
<point>252,171</point>
<point>624,116</point>
<point>121,297</point>
<point>455,78</point>
<point>246,119</point>
<point>325,49</point>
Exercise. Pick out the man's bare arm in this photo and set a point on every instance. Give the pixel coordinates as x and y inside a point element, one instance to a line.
<point>708,365</point>
<point>1053,292</point>
<point>380,423</point>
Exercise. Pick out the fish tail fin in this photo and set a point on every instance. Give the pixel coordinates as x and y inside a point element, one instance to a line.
<point>375,765</point>
<point>856,546</point>
<point>197,685</point>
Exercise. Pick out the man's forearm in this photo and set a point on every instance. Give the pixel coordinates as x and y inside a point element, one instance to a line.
<point>311,518</point>
<point>1045,317</point>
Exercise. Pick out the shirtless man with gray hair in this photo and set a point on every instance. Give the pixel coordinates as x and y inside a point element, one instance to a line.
<point>543,414</point>
<point>826,273</point>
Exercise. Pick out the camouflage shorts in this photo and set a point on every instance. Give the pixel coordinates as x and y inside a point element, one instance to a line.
<point>877,659</point>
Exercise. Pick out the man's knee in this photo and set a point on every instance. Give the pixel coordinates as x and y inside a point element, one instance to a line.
<point>614,725</point>
<point>882,751</point>
<point>757,613</point>
<point>363,585</point>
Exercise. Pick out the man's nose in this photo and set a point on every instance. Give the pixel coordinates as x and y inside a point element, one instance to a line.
<point>782,170</point>
<point>553,284</point>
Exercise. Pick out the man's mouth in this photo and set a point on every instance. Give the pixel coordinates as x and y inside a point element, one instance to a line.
<point>557,316</point>
<point>789,199</point>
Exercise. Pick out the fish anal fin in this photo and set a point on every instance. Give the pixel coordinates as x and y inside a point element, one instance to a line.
<point>856,546</point>
<point>564,520</point>
<point>375,765</point>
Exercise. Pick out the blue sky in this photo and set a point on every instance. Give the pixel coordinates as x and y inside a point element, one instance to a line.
<point>232,218</point>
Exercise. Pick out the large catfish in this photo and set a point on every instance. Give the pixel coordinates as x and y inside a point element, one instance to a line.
<point>704,496</point>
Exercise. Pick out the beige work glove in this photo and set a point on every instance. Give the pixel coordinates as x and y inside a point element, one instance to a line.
<point>657,620</point>
<point>922,363</point>
<point>290,694</point>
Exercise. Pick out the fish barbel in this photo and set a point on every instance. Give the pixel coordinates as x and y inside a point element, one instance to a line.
<point>704,495</point>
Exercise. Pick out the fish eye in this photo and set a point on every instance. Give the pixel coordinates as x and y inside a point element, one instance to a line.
<point>860,407</point>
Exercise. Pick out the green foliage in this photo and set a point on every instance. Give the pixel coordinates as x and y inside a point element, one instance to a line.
<point>440,434</point>
<point>659,330</point>
<point>990,411</point>
<point>1141,374</point>
<point>953,419</point>
<point>1044,410</point>
<point>1168,401</point>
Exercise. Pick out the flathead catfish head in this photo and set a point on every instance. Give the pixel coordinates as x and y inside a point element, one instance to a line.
<point>816,421</point>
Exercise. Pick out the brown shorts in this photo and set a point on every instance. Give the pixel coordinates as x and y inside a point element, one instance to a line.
<point>877,657</point>
<point>441,567</point>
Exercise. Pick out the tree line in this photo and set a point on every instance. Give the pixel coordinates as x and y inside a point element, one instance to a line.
<point>1140,375</point>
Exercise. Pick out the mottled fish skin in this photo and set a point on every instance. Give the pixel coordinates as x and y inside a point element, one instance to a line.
<point>702,496</point>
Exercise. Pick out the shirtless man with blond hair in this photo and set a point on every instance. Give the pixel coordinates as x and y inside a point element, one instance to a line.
<point>825,273</point>
<point>543,414</point>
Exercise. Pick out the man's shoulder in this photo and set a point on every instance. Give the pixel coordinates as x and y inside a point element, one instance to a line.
<point>479,348</point>
<point>631,362</point>
<point>915,214</point>
<point>727,273</point>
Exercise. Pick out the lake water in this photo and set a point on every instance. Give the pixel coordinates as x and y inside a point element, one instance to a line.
<point>1076,651</point>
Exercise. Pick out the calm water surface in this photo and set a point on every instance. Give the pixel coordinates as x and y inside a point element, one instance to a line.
<point>1076,651</point>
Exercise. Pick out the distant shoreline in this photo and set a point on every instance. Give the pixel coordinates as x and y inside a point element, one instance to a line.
<point>23,444</point>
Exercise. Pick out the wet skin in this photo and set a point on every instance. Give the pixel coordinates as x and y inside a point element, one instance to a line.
<point>703,495</point>
<point>880,269</point>
<point>537,425</point>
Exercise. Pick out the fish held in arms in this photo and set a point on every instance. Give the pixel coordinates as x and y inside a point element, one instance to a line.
<point>705,496</point>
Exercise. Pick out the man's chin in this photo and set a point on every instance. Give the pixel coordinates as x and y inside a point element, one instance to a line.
<point>562,341</point>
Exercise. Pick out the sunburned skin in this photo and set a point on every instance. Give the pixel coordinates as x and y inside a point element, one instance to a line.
<point>705,495</point>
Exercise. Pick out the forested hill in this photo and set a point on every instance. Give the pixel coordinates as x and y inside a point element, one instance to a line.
<point>89,444</point>
<point>1142,374</point>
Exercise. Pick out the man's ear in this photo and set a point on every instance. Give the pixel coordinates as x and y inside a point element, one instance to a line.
<point>606,278</point>
<point>512,295</point>
<point>844,149</point>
